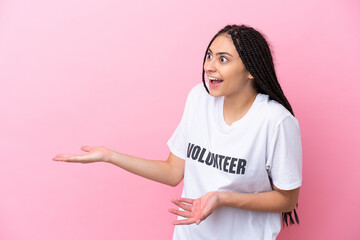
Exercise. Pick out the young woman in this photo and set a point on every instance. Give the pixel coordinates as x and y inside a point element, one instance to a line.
<point>237,147</point>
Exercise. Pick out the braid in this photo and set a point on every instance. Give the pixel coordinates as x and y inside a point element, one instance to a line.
<point>255,53</point>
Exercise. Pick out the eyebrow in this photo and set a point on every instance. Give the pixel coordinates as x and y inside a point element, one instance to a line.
<point>221,53</point>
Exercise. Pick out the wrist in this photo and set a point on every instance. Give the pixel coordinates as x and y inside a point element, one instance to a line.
<point>220,198</point>
<point>229,199</point>
<point>110,156</point>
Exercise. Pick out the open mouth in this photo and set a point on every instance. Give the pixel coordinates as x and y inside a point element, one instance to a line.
<point>215,81</point>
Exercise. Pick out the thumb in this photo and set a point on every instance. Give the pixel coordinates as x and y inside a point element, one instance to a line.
<point>86,148</point>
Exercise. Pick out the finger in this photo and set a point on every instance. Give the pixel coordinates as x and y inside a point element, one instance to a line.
<point>186,200</point>
<point>184,221</point>
<point>71,158</point>
<point>181,213</point>
<point>60,157</point>
<point>86,148</point>
<point>182,205</point>
<point>198,221</point>
<point>77,158</point>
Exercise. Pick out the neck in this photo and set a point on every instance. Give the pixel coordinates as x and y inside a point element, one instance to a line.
<point>236,106</point>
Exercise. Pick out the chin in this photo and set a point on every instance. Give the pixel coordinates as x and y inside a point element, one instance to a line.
<point>215,93</point>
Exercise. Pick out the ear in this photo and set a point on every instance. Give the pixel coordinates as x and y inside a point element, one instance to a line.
<point>250,76</point>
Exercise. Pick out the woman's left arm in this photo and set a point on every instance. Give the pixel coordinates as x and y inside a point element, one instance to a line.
<point>274,201</point>
<point>197,210</point>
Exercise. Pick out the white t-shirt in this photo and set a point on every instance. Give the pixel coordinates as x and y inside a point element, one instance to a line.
<point>236,158</point>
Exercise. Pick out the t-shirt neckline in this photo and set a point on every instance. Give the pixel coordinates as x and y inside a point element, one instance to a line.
<point>239,122</point>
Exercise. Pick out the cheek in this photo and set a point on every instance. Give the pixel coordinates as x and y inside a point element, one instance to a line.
<point>205,65</point>
<point>234,75</point>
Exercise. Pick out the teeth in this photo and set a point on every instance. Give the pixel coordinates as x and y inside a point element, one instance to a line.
<point>212,78</point>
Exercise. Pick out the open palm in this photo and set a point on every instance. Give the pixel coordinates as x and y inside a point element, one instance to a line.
<point>94,154</point>
<point>195,210</point>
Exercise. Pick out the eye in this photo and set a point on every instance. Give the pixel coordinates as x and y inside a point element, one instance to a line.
<point>223,59</point>
<point>208,55</point>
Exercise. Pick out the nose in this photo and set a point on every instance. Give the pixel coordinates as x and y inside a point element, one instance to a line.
<point>209,66</point>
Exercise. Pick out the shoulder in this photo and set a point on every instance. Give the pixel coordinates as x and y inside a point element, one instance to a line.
<point>198,92</point>
<point>274,112</point>
<point>198,89</point>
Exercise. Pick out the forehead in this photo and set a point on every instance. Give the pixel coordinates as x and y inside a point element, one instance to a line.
<point>223,43</point>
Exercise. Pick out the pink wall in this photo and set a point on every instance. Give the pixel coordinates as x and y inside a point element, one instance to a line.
<point>117,74</point>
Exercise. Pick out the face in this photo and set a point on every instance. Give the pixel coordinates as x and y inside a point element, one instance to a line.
<point>223,63</point>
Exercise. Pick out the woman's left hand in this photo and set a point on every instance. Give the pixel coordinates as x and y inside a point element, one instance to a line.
<point>195,210</point>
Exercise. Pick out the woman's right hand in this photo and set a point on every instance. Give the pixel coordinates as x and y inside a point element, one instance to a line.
<point>94,154</point>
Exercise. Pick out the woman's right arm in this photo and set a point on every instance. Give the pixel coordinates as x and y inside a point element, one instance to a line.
<point>169,172</point>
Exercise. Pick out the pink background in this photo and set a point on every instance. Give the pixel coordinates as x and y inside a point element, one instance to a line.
<point>117,74</point>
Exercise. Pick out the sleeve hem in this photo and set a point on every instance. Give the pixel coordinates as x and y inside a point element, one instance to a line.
<point>176,152</point>
<point>287,186</point>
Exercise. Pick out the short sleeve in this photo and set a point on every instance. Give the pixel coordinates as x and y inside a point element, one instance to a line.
<point>178,141</point>
<point>284,155</point>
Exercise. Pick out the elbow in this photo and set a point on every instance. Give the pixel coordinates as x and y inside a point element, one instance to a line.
<point>290,206</point>
<point>173,184</point>
<point>174,181</point>
<point>290,199</point>
<point>176,178</point>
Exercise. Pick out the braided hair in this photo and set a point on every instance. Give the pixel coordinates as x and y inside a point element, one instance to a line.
<point>254,52</point>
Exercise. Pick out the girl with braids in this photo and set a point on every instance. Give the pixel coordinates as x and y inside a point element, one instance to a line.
<point>237,146</point>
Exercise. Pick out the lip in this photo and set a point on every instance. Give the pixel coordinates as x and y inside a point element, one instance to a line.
<point>214,85</point>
